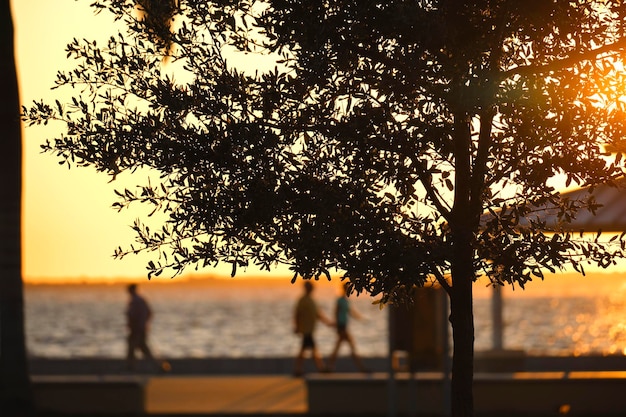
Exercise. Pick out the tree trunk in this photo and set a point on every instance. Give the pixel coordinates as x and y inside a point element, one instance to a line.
<point>462,319</point>
<point>15,390</point>
<point>462,271</point>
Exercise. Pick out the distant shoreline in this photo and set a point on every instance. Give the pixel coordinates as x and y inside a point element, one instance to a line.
<point>122,281</point>
<point>554,285</point>
<point>181,282</point>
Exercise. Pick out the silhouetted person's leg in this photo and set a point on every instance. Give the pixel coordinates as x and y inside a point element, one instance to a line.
<point>130,355</point>
<point>143,347</point>
<point>308,344</point>
<point>344,336</point>
<point>355,356</point>
<point>333,355</point>
<point>319,362</point>
<point>299,365</point>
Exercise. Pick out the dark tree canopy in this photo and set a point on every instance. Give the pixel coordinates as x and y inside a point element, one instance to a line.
<point>373,148</point>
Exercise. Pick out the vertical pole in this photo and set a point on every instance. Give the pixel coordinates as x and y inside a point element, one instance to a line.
<point>412,391</point>
<point>447,365</point>
<point>496,318</point>
<point>391,385</point>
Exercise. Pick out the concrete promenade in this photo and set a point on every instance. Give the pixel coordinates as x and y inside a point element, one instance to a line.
<point>257,387</point>
<point>598,394</point>
<point>505,361</point>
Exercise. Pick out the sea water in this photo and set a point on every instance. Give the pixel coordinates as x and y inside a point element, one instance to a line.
<point>234,319</point>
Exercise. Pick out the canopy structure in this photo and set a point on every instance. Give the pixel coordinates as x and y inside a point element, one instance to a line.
<point>610,217</point>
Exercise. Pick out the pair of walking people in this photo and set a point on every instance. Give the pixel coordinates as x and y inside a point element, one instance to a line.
<point>306,316</point>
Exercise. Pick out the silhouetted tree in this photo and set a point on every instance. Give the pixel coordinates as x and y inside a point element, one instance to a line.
<point>15,395</point>
<point>373,148</point>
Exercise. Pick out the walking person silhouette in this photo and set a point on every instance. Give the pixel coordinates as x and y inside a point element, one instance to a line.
<point>305,318</point>
<point>138,316</point>
<point>343,311</point>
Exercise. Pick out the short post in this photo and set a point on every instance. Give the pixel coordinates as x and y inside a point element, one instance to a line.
<point>496,317</point>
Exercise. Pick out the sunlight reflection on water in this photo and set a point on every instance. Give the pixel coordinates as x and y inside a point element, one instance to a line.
<point>239,321</point>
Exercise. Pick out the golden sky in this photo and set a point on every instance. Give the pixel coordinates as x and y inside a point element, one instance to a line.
<point>69,228</point>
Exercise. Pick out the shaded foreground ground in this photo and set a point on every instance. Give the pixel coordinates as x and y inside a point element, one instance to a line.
<point>266,392</point>
<point>255,395</point>
<point>129,395</point>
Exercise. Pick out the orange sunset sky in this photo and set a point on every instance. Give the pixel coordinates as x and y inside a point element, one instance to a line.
<point>69,228</point>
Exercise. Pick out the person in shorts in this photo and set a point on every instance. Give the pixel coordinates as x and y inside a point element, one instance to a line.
<point>306,316</point>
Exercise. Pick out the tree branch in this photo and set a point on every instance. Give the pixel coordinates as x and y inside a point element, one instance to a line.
<point>431,192</point>
<point>480,163</point>
<point>558,64</point>
<point>442,280</point>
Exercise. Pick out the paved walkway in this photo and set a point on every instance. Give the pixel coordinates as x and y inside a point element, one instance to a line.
<point>584,392</point>
<point>226,395</point>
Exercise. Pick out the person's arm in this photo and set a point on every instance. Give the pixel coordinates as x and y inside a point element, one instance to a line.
<point>296,319</point>
<point>322,317</point>
<point>355,314</point>
<point>127,315</point>
<point>148,312</point>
